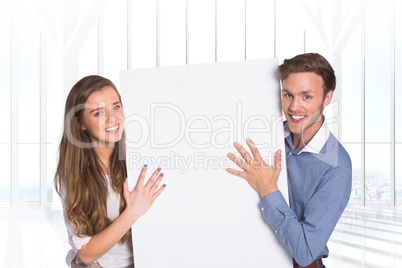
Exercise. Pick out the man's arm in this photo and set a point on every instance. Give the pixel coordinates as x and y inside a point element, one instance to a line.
<point>305,239</point>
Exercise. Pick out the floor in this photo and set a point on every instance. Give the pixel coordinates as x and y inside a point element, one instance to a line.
<point>369,237</point>
<point>34,237</point>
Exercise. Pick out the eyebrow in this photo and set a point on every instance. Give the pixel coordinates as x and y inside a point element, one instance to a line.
<point>303,92</point>
<point>101,108</point>
<point>117,102</point>
<point>97,109</point>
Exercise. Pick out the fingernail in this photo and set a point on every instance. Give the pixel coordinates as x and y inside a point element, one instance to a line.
<point>162,175</point>
<point>159,169</point>
<point>164,185</point>
<point>145,165</point>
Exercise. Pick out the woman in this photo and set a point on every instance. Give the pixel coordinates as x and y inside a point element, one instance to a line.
<point>99,209</point>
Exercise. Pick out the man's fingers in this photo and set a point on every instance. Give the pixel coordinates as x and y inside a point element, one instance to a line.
<point>278,159</point>
<point>254,149</point>
<point>243,152</point>
<point>240,162</point>
<point>235,172</point>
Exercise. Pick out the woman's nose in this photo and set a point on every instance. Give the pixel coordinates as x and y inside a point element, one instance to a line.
<point>110,116</point>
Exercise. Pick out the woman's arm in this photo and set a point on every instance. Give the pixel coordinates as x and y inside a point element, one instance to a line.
<point>138,202</point>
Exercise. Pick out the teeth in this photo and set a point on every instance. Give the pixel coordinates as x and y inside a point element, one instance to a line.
<point>297,117</point>
<point>112,128</point>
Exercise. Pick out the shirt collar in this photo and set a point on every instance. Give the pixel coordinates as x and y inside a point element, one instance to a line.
<point>316,143</point>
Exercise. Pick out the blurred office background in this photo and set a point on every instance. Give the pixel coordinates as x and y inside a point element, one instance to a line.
<point>48,45</point>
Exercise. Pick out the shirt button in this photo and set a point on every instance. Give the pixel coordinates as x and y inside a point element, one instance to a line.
<point>262,209</point>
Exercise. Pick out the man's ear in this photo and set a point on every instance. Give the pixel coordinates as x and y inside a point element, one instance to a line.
<point>81,126</point>
<point>328,97</point>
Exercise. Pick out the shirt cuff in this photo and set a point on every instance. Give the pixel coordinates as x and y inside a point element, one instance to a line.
<point>80,241</point>
<point>270,208</point>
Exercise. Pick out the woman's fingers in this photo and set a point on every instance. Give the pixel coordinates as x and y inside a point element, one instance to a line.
<point>152,183</point>
<point>155,186</point>
<point>141,177</point>
<point>158,192</point>
<point>152,180</point>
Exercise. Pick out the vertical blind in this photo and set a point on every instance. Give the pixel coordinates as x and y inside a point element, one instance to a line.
<point>46,46</point>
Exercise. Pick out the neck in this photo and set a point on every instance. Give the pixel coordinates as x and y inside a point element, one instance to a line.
<point>104,154</point>
<point>300,140</point>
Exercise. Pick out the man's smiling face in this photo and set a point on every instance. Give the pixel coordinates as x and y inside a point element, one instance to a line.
<point>303,103</point>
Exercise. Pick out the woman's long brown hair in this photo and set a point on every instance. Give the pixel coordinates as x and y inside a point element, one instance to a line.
<point>79,171</point>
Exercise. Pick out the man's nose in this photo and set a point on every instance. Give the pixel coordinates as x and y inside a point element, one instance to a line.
<point>295,104</point>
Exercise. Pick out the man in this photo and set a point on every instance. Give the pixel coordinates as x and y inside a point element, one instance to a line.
<point>318,167</point>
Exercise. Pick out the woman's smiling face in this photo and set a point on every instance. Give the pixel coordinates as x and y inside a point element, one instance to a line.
<point>103,117</point>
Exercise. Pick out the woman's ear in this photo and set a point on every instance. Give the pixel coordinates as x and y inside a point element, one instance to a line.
<point>77,121</point>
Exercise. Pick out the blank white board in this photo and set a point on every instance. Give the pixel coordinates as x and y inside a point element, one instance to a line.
<point>185,119</point>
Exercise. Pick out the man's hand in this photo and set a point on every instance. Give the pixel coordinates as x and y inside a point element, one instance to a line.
<point>261,176</point>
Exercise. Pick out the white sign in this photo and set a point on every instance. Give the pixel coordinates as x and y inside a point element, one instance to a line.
<point>185,120</point>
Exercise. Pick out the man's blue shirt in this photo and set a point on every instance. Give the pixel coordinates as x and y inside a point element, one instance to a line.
<point>319,184</point>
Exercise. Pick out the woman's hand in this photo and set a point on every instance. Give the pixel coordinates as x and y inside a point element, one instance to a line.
<point>138,202</point>
<point>143,196</point>
<point>261,176</point>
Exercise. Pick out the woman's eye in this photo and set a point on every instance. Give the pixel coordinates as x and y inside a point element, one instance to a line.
<point>98,114</point>
<point>116,107</point>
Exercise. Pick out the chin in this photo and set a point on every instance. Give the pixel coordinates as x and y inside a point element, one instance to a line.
<point>112,140</point>
<point>115,140</point>
<point>294,128</point>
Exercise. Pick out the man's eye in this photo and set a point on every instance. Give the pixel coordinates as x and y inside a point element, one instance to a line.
<point>116,107</point>
<point>307,97</point>
<point>287,95</point>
